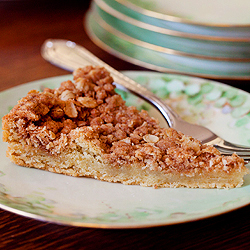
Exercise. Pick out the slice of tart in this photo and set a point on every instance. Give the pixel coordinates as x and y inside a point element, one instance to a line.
<point>84,128</point>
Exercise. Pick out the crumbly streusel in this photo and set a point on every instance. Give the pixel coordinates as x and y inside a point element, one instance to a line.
<point>89,105</point>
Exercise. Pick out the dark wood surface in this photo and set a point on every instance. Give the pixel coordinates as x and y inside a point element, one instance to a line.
<point>24,25</point>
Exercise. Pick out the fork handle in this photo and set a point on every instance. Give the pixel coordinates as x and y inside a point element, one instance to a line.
<point>70,56</point>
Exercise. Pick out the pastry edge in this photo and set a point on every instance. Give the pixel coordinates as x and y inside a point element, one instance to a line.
<point>94,165</point>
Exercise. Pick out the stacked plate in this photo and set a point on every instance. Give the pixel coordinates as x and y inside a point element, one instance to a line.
<point>195,37</point>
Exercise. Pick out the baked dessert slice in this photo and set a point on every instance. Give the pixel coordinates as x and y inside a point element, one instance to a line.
<point>84,128</point>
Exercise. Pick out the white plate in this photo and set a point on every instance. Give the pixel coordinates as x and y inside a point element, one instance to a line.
<point>88,202</point>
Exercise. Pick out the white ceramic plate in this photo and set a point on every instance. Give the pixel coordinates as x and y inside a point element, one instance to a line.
<point>92,203</point>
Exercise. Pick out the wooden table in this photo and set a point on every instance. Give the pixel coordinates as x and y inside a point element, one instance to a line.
<point>24,25</point>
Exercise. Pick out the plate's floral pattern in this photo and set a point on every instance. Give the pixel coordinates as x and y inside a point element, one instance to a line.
<point>200,101</point>
<point>87,202</point>
<point>194,99</point>
<point>34,203</point>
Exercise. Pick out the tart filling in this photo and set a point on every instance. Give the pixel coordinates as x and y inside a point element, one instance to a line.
<point>84,128</point>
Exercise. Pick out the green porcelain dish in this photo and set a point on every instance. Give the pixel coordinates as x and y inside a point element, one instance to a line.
<point>215,13</point>
<point>216,50</point>
<point>217,19</point>
<point>128,49</point>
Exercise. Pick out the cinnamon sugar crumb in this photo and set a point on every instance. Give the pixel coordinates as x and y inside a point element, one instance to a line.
<point>89,104</point>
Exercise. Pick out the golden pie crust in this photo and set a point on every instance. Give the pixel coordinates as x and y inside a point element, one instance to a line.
<point>84,128</point>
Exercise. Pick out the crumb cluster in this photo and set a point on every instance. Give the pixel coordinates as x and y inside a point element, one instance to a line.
<point>51,119</point>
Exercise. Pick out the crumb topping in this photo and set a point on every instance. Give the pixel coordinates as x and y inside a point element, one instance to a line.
<point>89,105</point>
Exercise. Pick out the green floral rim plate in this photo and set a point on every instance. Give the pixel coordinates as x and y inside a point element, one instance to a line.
<point>88,202</point>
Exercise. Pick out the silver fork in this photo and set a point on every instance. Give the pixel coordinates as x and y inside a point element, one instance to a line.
<point>70,56</point>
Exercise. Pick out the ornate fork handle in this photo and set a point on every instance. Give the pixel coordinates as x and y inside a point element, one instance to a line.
<point>79,56</point>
